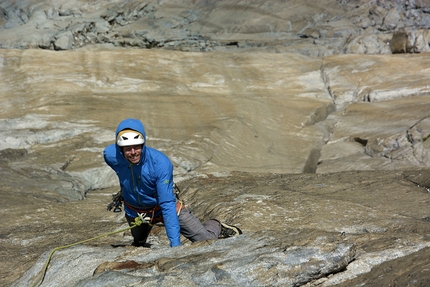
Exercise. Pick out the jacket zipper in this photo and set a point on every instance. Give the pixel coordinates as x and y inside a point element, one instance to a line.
<point>134,184</point>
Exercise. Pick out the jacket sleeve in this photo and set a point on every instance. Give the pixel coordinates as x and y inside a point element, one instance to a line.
<point>167,201</point>
<point>109,155</point>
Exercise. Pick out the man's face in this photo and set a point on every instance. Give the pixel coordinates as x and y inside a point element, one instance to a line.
<point>132,153</point>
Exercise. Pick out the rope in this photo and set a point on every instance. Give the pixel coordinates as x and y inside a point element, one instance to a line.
<point>137,222</point>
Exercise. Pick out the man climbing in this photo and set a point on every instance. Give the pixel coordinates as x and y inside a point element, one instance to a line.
<point>146,179</point>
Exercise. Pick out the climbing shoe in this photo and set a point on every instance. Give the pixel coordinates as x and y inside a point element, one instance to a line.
<point>229,230</point>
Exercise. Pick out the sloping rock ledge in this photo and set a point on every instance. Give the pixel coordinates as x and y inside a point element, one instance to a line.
<point>299,230</point>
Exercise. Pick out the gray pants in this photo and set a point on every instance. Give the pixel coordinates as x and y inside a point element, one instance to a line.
<point>191,228</point>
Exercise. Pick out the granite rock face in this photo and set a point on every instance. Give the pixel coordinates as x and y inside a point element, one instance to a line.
<point>323,28</point>
<point>299,230</point>
<point>306,125</point>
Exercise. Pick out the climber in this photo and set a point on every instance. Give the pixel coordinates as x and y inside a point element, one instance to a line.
<point>146,180</point>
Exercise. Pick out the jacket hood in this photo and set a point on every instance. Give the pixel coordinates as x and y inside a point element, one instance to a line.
<point>133,124</point>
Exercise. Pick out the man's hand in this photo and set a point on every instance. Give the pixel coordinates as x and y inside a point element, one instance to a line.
<point>116,203</point>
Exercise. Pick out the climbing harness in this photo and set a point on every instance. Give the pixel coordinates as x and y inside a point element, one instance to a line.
<point>137,222</point>
<point>153,215</point>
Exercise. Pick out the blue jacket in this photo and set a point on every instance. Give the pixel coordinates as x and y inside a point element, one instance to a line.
<point>148,183</point>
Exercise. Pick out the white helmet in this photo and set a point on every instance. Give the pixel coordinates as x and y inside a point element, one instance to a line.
<point>129,137</point>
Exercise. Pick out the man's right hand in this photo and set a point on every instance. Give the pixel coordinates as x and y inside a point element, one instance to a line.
<point>116,203</point>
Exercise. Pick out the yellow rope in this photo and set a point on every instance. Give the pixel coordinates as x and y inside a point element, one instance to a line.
<point>137,222</point>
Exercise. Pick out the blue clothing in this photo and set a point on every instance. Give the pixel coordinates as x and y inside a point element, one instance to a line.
<point>148,183</point>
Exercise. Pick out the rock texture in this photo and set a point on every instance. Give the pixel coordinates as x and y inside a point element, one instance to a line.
<point>324,28</point>
<point>304,124</point>
<point>299,229</point>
